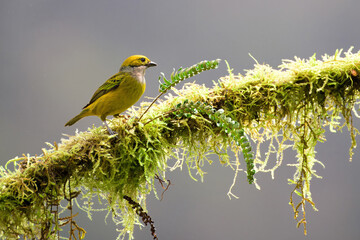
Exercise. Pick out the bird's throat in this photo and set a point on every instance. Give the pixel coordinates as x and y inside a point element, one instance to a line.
<point>139,73</point>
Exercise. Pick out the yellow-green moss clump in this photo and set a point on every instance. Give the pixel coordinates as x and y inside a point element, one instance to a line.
<point>288,108</point>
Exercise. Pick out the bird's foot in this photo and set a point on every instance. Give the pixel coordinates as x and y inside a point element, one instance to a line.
<point>111,132</point>
<point>125,116</point>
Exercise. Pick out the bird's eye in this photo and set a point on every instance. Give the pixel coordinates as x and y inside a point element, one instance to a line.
<point>142,59</point>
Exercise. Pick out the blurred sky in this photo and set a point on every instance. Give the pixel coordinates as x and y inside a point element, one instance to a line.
<point>54,54</point>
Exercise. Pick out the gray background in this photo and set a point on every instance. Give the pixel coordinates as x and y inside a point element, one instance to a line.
<point>54,55</point>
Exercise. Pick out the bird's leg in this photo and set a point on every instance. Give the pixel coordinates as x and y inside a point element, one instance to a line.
<point>111,132</point>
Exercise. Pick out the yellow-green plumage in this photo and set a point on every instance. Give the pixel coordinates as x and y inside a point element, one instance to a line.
<point>119,92</point>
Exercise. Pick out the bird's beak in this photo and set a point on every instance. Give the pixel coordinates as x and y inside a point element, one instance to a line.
<point>151,64</point>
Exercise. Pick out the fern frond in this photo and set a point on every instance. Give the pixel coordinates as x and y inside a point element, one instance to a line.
<point>185,73</point>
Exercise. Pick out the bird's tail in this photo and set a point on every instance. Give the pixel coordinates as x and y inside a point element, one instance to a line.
<point>83,113</point>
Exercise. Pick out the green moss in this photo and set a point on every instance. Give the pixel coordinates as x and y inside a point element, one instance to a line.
<point>287,108</point>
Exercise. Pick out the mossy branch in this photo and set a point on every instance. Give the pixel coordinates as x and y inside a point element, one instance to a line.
<point>288,108</point>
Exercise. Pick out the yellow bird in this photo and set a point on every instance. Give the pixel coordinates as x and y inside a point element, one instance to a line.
<point>119,92</point>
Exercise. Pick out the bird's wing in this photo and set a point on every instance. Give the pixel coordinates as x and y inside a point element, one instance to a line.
<point>111,84</point>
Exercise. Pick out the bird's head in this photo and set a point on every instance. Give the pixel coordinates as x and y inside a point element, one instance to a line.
<point>136,61</point>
